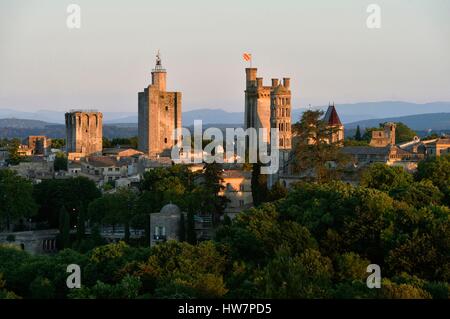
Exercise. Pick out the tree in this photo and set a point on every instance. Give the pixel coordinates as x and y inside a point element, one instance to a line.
<point>317,157</point>
<point>358,136</point>
<point>403,133</point>
<point>277,192</point>
<point>418,194</point>
<point>16,200</point>
<point>196,270</point>
<point>64,227</point>
<point>182,232</point>
<point>259,185</point>
<point>305,276</point>
<point>383,177</point>
<point>14,158</point>
<point>74,193</point>
<point>60,163</point>
<point>437,170</point>
<point>42,288</point>
<point>58,143</point>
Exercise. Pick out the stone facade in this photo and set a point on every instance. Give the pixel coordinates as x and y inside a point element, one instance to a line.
<point>159,114</point>
<point>40,145</point>
<point>34,242</point>
<point>384,137</point>
<point>84,135</point>
<point>238,190</point>
<point>268,106</point>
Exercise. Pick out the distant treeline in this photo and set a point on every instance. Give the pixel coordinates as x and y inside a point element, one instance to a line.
<point>59,131</point>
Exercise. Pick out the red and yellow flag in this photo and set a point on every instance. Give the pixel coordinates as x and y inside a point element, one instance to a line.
<point>247,56</point>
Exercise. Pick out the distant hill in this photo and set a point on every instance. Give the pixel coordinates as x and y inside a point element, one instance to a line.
<point>420,122</point>
<point>20,128</point>
<point>22,123</point>
<point>420,117</point>
<point>348,113</point>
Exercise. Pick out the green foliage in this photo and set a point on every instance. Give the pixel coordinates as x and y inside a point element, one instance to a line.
<point>4,293</point>
<point>14,158</point>
<point>64,228</point>
<point>127,288</point>
<point>317,158</point>
<point>358,136</point>
<point>403,133</point>
<point>194,271</point>
<point>259,185</point>
<point>42,288</point>
<point>58,143</point>
<point>314,241</point>
<point>383,177</point>
<point>12,209</point>
<point>307,275</point>
<point>115,142</point>
<point>437,170</point>
<point>60,163</point>
<point>277,192</point>
<point>390,290</point>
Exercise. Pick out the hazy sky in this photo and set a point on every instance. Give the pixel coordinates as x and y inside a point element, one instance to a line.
<point>324,46</point>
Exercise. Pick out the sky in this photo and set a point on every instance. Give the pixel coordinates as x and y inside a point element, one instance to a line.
<point>324,46</point>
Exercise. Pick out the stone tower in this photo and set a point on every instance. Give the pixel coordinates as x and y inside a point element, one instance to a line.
<point>280,107</point>
<point>257,102</point>
<point>384,137</point>
<point>389,129</point>
<point>268,106</point>
<point>334,123</point>
<point>84,134</point>
<point>159,114</point>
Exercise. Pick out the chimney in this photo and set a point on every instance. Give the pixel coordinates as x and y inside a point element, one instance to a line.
<point>251,76</point>
<point>275,82</point>
<point>259,82</point>
<point>286,82</point>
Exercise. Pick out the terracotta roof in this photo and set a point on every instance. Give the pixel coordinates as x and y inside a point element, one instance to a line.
<point>331,117</point>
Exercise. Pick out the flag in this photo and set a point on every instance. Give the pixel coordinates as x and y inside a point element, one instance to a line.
<point>247,56</point>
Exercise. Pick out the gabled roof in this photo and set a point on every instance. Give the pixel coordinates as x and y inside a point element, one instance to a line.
<point>331,117</point>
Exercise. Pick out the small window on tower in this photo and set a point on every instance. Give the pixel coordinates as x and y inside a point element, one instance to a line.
<point>167,108</point>
<point>165,140</point>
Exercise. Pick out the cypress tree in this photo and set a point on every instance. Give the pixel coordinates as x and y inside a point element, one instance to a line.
<point>182,234</point>
<point>64,227</point>
<point>358,136</point>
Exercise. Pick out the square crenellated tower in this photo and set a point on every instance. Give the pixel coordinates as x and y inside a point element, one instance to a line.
<point>159,115</point>
<point>84,135</point>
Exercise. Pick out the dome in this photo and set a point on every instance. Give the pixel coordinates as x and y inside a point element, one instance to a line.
<point>170,209</point>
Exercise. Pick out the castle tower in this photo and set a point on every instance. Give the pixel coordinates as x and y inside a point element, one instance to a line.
<point>257,102</point>
<point>159,114</point>
<point>334,122</point>
<point>84,134</point>
<point>280,108</point>
<point>389,129</point>
<point>268,106</point>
